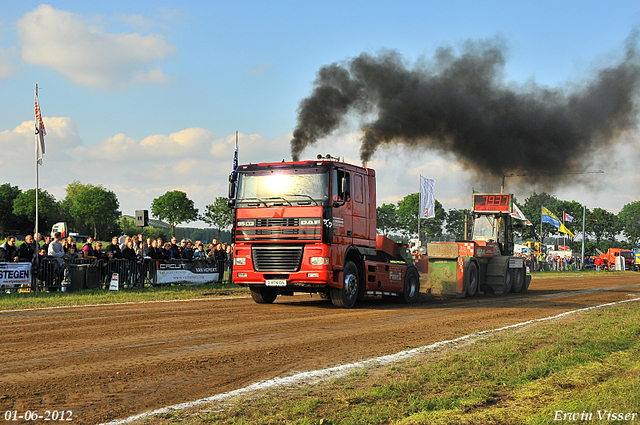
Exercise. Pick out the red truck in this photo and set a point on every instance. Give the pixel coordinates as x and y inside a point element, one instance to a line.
<point>310,226</point>
<point>609,257</point>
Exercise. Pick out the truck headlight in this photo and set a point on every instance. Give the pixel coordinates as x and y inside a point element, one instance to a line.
<point>239,261</point>
<point>319,261</point>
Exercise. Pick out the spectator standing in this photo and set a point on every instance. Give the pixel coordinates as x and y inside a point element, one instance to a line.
<point>71,253</point>
<point>175,249</point>
<point>87,249</point>
<point>221,258</point>
<point>56,249</point>
<point>47,241</point>
<point>128,253</point>
<point>166,252</point>
<point>230,262</point>
<point>136,243</point>
<point>27,251</point>
<point>113,248</point>
<point>152,251</point>
<point>598,263</point>
<point>200,254</point>
<point>127,239</point>
<point>97,251</point>
<point>187,252</point>
<point>8,251</point>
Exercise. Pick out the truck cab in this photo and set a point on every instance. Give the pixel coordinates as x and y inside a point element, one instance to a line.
<point>307,226</point>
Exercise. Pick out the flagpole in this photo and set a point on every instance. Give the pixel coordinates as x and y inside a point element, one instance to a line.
<point>37,189</point>
<point>564,238</point>
<point>419,209</point>
<point>584,214</point>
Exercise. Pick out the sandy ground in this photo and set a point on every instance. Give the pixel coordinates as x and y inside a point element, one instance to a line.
<point>113,361</point>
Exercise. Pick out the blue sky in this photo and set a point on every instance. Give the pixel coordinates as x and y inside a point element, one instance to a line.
<point>145,97</point>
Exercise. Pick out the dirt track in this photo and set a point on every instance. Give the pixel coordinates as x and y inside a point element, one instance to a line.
<point>114,361</point>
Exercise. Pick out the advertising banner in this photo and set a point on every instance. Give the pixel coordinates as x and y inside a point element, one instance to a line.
<point>15,274</point>
<point>191,272</point>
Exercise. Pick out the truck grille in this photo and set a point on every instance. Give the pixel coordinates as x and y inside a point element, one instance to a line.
<point>276,258</point>
<point>277,222</point>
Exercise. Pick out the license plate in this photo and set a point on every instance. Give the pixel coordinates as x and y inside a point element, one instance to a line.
<point>276,282</point>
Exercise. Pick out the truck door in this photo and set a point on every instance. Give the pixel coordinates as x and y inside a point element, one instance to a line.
<point>360,224</point>
<point>342,207</point>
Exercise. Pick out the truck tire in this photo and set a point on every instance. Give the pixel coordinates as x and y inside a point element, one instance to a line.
<point>508,281</point>
<point>517,278</point>
<point>263,295</point>
<point>346,296</point>
<point>471,279</point>
<point>411,290</point>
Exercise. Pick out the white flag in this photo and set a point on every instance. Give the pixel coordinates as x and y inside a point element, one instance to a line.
<point>40,133</point>
<point>519,215</point>
<point>427,198</point>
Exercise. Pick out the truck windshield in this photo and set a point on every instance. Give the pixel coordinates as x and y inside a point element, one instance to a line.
<point>268,189</point>
<point>484,228</point>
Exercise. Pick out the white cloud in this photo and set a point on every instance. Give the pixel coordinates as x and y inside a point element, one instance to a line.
<point>7,62</point>
<point>88,56</point>
<point>193,160</point>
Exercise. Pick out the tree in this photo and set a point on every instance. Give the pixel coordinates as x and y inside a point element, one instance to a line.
<point>629,217</point>
<point>532,209</point>
<point>74,189</point>
<point>25,205</point>
<point>174,207</point>
<point>8,220</point>
<point>387,218</point>
<point>99,208</point>
<point>408,216</point>
<point>218,214</point>
<point>603,225</point>
<point>455,223</point>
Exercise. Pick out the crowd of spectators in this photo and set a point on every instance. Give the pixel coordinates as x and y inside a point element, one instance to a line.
<point>60,251</point>
<point>550,262</point>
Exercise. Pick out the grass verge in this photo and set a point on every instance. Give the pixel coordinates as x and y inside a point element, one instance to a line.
<point>587,363</point>
<point>101,296</point>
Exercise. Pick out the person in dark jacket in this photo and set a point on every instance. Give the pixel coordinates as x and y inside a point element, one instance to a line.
<point>128,253</point>
<point>113,248</point>
<point>27,251</point>
<point>8,250</point>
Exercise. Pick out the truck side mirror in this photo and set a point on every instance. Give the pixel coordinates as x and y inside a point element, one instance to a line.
<point>232,189</point>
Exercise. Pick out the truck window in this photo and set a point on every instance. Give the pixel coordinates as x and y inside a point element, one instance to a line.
<point>341,186</point>
<point>357,188</point>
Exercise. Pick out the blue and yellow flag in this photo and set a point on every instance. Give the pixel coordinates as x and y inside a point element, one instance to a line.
<point>549,218</point>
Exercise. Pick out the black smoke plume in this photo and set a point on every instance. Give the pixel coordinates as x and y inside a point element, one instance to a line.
<point>460,105</point>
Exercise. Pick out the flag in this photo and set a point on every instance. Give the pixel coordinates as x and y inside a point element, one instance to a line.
<point>40,132</point>
<point>567,217</point>
<point>235,157</point>
<point>549,218</point>
<point>427,198</point>
<point>519,215</point>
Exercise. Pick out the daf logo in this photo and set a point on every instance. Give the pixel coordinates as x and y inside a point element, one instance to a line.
<point>310,222</point>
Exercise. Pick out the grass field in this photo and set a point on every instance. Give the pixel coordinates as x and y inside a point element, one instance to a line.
<point>586,366</point>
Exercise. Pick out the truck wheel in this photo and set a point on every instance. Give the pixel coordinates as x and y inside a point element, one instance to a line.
<point>346,296</point>
<point>411,290</point>
<point>517,277</point>
<point>471,278</point>
<point>508,281</point>
<point>263,295</point>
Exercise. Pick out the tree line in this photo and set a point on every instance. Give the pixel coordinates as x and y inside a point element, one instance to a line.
<point>93,210</point>
<point>603,229</point>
